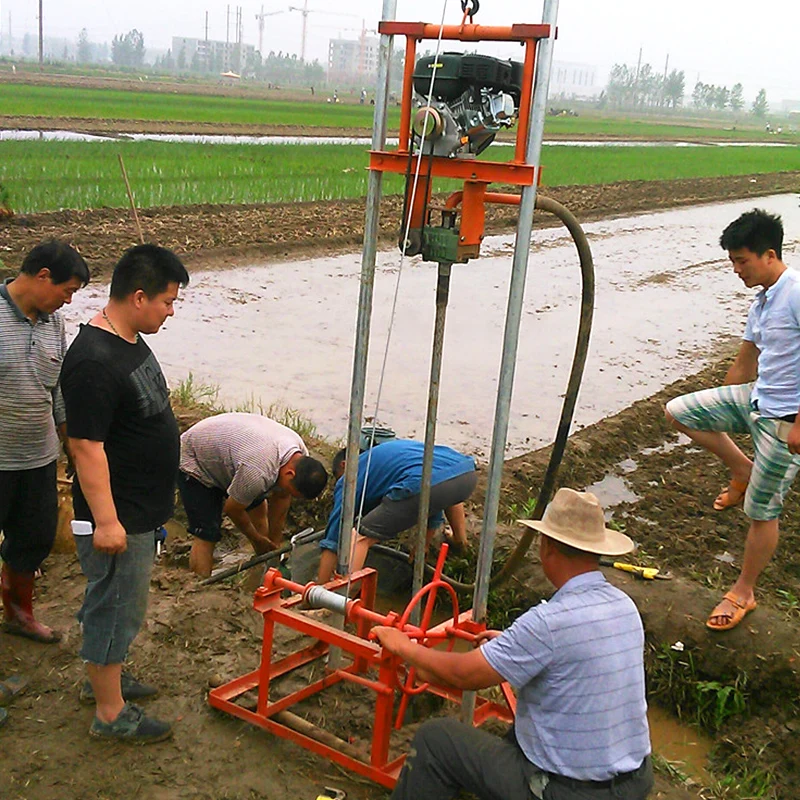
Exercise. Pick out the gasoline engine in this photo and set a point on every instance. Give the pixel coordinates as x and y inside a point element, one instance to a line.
<point>473,97</point>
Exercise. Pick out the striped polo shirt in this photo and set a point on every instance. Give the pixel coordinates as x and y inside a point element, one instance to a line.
<point>239,453</point>
<point>30,400</point>
<point>577,663</point>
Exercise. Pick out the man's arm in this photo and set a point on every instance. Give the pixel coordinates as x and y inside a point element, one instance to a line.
<point>91,465</point>
<point>461,670</point>
<point>253,527</point>
<point>745,366</point>
<point>62,435</point>
<point>277,509</point>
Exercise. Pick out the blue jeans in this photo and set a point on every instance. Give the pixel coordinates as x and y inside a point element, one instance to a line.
<point>115,600</point>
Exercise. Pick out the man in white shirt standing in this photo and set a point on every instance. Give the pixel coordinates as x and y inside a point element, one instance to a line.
<point>760,396</point>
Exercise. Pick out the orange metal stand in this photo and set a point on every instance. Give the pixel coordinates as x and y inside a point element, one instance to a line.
<point>371,666</point>
<point>476,174</point>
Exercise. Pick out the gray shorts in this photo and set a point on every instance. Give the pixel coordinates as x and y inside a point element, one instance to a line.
<point>115,601</point>
<point>392,517</point>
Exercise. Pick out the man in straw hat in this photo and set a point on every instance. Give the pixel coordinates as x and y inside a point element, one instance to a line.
<point>576,663</point>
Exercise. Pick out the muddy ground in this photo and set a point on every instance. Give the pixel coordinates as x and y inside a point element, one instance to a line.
<point>196,633</point>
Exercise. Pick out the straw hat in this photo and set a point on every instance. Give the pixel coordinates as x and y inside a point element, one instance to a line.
<point>576,519</point>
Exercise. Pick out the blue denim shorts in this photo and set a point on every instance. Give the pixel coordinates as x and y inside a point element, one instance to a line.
<point>115,601</point>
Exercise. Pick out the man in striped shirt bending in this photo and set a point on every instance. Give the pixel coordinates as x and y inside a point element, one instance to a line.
<point>577,664</point>
<point>32,347</point>
<point>249,467</point>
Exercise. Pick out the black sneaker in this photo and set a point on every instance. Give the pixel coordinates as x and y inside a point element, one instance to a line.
<point>3,717</point>
<point>132,726</point>
<point>131,690</point>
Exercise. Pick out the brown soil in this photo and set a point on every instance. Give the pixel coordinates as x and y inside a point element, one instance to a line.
<point>195,632</point>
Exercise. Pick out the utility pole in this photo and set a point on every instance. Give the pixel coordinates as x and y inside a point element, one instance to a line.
<point>41,38</point>
<point>228,25</point>
<point>260,18</point>
<point>636,80</point>
<point>206,27</point>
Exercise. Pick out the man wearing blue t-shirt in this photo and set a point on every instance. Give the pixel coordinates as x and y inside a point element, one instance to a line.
<point>760,396</point>
<point>393,473</point>
<point>577,664</point>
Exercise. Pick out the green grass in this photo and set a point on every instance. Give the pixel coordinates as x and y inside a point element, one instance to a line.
<point>44,176</point>
<point>662,127</point>
<point>111,104</point>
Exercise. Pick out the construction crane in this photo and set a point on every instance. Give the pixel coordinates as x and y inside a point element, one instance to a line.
<point>260,17</point>
<point>305,11</point>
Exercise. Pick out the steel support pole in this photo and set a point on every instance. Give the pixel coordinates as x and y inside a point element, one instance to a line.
<point>516,295</point>
<point>368,254</point>
<point>420,551</point>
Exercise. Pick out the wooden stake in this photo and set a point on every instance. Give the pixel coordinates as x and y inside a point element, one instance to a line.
<point>130,198</point>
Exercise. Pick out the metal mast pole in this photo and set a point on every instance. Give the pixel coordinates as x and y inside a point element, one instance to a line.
<point>516,294</point>
<point>368,254</point>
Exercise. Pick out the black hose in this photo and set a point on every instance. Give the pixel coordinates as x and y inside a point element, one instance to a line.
<point>570,398</point>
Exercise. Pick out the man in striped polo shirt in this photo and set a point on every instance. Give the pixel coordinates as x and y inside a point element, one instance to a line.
<point>760,396</point>
<point>250,467</point>
<point>577,664</point>
<point>32,347</point>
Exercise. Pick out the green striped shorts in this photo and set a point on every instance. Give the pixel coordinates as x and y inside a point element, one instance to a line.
<point>728,409</point>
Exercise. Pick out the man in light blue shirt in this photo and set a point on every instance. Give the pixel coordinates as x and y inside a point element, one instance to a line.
<point>760,396</point>
<point>577,664</point>
<point>389,483</point>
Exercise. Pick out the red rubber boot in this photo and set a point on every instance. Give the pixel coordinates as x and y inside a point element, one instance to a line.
<point>17,590</point>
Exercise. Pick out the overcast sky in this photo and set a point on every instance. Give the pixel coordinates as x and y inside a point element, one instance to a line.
<point>716,41</point>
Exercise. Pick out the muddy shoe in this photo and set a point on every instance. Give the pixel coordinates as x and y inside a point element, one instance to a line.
<point>131,690</point>
<point>132,726</point>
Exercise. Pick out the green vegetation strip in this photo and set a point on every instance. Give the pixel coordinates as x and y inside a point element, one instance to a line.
<point>110,104</point>
<point>46,176</point>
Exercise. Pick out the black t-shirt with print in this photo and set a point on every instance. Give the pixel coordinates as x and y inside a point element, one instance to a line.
<point>115,393</point>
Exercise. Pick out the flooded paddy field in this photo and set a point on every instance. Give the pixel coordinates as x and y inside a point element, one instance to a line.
<point>283,333</point>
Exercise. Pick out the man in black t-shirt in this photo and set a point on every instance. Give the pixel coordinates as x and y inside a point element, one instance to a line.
<point>126,448</point>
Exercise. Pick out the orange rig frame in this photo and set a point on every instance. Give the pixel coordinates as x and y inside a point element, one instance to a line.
<point>367,657</point>
<point>477,175</point>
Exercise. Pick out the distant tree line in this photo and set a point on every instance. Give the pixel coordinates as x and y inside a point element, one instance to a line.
<point>641,87</point>
<point>632,87</point>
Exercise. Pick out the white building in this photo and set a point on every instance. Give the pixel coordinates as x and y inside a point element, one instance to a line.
<point>353,59</point>
<point>575,81</point>
<point>211,55</point>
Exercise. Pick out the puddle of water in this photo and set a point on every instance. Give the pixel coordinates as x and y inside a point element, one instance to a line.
<point>667,447</point>
<point>611,491</point>
<point>191,138</point>
<point>283,333</point>
<point>683,746</point>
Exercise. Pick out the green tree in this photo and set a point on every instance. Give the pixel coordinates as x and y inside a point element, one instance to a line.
<point>674,88</point>
<point>760,105</point>
<point>737,98</point>
<point>128,50</point>
<point>84,48</point>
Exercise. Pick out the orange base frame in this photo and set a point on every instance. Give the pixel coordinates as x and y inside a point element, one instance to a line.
<point>367,656</point>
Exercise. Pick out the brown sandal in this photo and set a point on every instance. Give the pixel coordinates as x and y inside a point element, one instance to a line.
<point>731,496</point>
<point>740,611</point>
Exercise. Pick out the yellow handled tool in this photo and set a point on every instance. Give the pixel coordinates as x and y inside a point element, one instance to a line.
<point>645,573</point>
